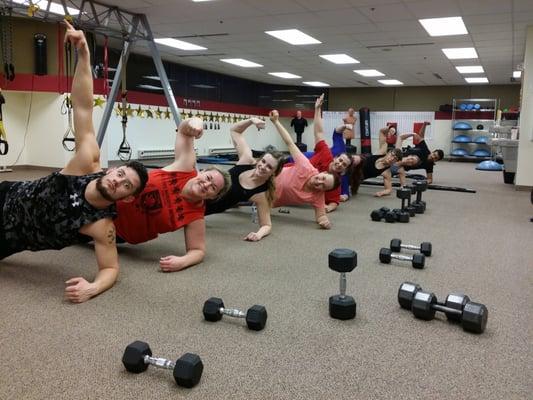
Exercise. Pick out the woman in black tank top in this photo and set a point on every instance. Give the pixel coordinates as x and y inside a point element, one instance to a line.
<point>367,166</point>
<point>251,180</point>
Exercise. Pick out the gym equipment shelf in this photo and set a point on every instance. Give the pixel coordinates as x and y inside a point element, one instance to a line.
<point>472,118</point>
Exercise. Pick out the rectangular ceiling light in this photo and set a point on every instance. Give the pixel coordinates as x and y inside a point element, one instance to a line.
<point>241,62</point>
<point>368,72</point>
<point>293,36</point>
<point>284,75</point>
<point>470,69</point>
<point>460,53</point>
<point>316,83</point>
<point>390,82</point>
<point>444,26</point>
<point>477,80</point>
<point>178,44</point>
<point>517,74</point>
<point>339,58</point>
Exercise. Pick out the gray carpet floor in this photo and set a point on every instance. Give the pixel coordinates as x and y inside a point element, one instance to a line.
<point>482,246</point>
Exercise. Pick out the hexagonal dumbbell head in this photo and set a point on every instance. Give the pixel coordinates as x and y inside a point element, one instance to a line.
<point>390,216</point>
<point>421,306</point>
<point>475,317</point>
<point>426,248</point>
<point>188,370</point>
<point>457,302</point>
<point>342,260</point>
<point>211,309</point>
<point>133,358</point>
<point>256,317</point>
<point>406,293</point>
<point>403,216</point>
<point>403,193</point>
<point>421,186</point>
<point>396,245</point>
<point>385,255</point>
<point>418,207</point>
<point>376,215</point>
<point>419,260</point>
<point>342,307</point>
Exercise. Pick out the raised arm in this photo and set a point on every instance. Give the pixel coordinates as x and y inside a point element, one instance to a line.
<point>293,149</point>
<point>87,156</point>
<point>195,249</point>
<point>318,126</point>
<point>184,154</point>
<point>78,289</point>
<point>237,130</point>
<point>382,141</point>
<point>405,136</point>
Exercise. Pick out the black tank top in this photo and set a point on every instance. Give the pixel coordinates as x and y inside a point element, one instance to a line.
<point>236,193</point>
<point>369,166</point>
<point>47,213</point>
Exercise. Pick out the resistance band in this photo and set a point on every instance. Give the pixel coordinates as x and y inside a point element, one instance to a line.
<point>69,139</point>
<point>4,146</point>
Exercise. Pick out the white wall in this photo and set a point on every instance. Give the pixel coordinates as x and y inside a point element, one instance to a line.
<point>45,127</point>
<point>524,170</point>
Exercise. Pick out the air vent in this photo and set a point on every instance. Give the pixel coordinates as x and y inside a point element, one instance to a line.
<point>362,83</point>
<point>437,76</point>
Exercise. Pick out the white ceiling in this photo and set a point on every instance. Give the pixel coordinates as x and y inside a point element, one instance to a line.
<point>381,34</point>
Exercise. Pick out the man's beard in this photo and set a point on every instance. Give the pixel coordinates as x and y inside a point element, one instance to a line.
<point>102,190</point>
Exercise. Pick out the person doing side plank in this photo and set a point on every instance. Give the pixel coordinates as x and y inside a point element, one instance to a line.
<point>251,180</point>
<point>302,183</point>
<point>76,204</point>
<point>174,198</point>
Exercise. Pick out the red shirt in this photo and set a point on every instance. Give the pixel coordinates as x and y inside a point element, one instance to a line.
<point>158,209</point>
<point>321,160</point>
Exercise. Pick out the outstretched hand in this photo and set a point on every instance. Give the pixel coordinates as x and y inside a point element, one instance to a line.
<point>319,101</point>
<point>274,115</point>
<point>75,37</point>
<point>192,127</point>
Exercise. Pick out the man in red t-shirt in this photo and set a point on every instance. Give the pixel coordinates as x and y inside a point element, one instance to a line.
<point>173,199</point>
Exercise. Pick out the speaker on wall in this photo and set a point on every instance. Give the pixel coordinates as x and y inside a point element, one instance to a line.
<point>39,43</point>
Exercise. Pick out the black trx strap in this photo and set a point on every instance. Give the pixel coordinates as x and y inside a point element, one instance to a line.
<point>124,150</point>
<point>69,140</point>
<point>4,146</point>
<point>6,43</point>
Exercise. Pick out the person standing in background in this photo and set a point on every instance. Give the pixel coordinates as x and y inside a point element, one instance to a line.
<point>349,134</point>
<point>299,123</point>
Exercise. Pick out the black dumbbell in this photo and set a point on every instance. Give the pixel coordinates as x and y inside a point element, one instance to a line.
<point>405,195</point>
<point>417,260</point>
<point>409,208</point>
<point>378,215</point>
<point>340,305</point>
<point>256,316</point>
<point>419,204</point>
<point>458,307</point>
<point>425,247</point>
<point>187,369</point>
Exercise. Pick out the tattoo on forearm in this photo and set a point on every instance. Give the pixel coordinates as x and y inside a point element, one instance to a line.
<point>111,235</point>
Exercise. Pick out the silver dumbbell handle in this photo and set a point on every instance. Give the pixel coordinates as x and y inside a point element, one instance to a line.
<point>232,312</point>
<point>410,246</point>
<point>402,257</point>
<point>159,362</point>
<point>342,285</point>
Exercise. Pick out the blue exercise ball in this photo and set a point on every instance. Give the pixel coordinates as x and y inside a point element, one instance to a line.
<point>462,126</point>
<point>489,165</point>
<point>481,140</point>
<point>481,153</point>
<point>459,153</point>
<point>462,139</point>
<point>477,106</point>
<point>462,107</point>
